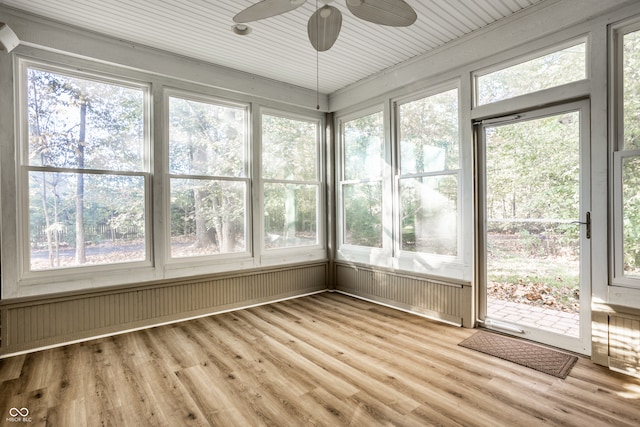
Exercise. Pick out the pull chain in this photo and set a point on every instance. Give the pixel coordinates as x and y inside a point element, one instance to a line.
<point>317,59</point>
<point>317,81</point>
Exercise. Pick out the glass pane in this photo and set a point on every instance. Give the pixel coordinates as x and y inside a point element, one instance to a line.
<point>290,215</point>
<point>429,211</point>
<point>207,217</point>
<point>533,168</point>
<point>364,147</point>
<point>532,246</point>
<point>631,215</point>
<point>429,134</point>
<point>206,139</point>
<point>631,83</point>
<point>78,123</point>
<point>289,149</point>
<point>554,69</point>
<point>79,219</point>
<point>363,214</point>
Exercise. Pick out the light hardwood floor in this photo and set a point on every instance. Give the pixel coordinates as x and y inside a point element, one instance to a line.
<point>322,360</point>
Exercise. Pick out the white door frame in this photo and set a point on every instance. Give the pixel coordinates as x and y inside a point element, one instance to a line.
<point>582,344</point>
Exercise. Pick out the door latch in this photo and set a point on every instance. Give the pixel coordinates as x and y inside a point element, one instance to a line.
<point>587,222</point>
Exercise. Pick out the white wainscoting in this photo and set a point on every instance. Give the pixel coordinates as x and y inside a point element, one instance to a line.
<point>449,302</point>
<point>36,322</point>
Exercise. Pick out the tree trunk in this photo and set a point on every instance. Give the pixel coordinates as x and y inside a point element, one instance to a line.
<point>225,233</point>
<point>185,225</point>
<point>56,221</point>
<point>81,257</point>
<point>202,237</point>
<point>227,237</point>
<point>420,226</point>
<point>289,214</point>
<point>47,220</point>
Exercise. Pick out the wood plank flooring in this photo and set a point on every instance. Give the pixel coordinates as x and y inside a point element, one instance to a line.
<point>322,360</point>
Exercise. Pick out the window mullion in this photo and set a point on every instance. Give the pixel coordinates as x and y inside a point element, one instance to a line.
<point>428,174</point>
<point>84,171</point>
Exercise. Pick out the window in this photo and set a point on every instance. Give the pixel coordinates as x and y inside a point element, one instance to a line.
<point>627,158</point>
<point>552,69</point>
<point>85,168</point>
<point>291,181</point>
<point>429,169</point>
<point>400,200</point>
<point>361,180</point>
<point>101,200</point>
<point>209,183</point>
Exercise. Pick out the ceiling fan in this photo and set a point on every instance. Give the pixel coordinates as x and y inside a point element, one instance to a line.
<point>324,25</point>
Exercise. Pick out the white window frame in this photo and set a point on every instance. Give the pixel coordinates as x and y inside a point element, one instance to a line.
<point>70,278</point>
<point>619,277</point>
<point>382,256</point>
<point>293,253</point>
<point>220,261</point>
<point>434,264</point>
<point>617,33</point>
<point>18,281</point>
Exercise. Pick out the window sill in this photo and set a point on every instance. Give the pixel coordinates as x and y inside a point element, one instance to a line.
<point>623,296</point>
<point>442,267</point>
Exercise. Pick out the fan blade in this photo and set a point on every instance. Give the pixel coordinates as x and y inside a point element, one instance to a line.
<point>324,27</point>
<point>394,13</point>
<point>267,9</point>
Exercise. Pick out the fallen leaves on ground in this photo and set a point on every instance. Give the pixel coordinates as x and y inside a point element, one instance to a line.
<point>537,294</point>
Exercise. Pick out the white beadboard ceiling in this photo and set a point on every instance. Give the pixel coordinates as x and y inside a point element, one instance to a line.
<point>278,47</point>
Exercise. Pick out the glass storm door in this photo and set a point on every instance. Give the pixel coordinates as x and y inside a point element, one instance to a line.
<point>535,225</point>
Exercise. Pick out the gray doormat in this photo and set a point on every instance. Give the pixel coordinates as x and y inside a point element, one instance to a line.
<point>540,358</point>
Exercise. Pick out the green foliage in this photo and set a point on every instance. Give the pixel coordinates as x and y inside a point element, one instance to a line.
<point>554,69</point>
<point>631,214</point>
<point>533,179</point>
<point>209,214</point>
<point>290,169</point>
<point>532,169</point>
<point>363,140</point>
<point>363,214</point>
<point>532,195</point>
<point>207,141</point>
<point>631,90</point>
<point>631,166</point>
<point>429,140</point>
<point>289,149</point>
<point>114,123</point>
<point>430,144</point>
<point>290,214</point>
<point>290,152</point>
<point>429,213</point>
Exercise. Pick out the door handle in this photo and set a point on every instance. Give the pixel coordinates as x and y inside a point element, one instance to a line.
<point>587,222</point>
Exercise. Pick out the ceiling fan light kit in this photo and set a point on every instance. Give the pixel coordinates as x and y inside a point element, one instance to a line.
<point>324,25</point>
